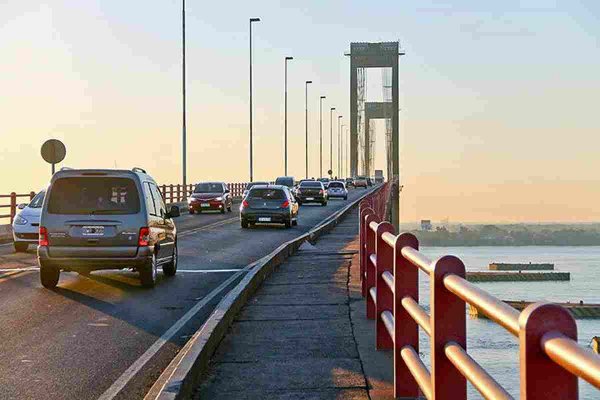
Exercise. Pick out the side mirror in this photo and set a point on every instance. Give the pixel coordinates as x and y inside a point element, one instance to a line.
<point>173,212</point>
<point>22,206</point>
<point>227,191</point>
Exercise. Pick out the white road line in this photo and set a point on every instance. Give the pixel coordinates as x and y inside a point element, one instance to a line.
<point>207,271</point>
<point>122,381</point>
<point>209,226</point>
<point>19,269</point>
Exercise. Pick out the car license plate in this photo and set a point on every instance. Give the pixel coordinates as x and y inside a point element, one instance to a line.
<point>204,205</point>
<point>310,198</point>
<point>92,231</point>
<point>264,219</point>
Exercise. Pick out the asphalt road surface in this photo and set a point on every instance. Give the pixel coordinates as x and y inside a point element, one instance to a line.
<point>103,335</point>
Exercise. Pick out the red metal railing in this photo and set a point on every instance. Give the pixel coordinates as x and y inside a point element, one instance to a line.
<point>550,358</point>
<point>11,202</point>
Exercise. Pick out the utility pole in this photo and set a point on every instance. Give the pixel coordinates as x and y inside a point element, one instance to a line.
<point>339,148</point>
<point>183,132</point>
<point>285,118</point>
<point>251,21</point>
<point>331,110</point>
<point>321,136</point>
<point>306,123</point>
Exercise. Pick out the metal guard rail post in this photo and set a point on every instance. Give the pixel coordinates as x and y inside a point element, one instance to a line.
<point>550,358</point>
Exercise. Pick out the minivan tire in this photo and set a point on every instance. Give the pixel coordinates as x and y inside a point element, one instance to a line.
<point>49,277</point>
<point>324,203</point>
<point>170,269</point>
<point>20,247</point>
<point>288,223</point>
<point>244,224</point>
<point>148,273</point>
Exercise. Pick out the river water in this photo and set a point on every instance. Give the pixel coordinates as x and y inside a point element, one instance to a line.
<point>493,347</point>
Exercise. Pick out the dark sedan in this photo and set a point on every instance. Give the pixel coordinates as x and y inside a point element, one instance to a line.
<point>210,196</point>
<point>269,204</point>
<point>311,192</point>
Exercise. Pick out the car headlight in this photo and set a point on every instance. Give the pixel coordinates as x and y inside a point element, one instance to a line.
<point>219,199</point>
<point>20,220</point>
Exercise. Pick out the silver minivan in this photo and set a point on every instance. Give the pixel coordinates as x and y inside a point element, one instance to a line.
<point>94,219</point>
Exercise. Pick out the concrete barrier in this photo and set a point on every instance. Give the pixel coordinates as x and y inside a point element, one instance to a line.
<point>183,374</point>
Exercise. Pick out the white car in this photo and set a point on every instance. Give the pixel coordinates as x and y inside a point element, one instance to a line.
<point>337,189</point>
<point>360,181</point>
<point>27,223</point>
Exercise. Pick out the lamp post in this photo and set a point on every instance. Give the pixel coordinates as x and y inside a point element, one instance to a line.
<point>251,21</point>
<point>285,118</point>
<point>306,123</point>
<point>331,110</point>
<point>341,156</point>
<point>183,126</point>
<point>339,148</point>
<point>321,136</point>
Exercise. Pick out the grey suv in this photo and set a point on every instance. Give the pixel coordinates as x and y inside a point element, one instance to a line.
<point>106,219</point>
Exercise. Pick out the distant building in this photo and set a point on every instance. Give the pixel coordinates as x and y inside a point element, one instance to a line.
<point>426,225</point>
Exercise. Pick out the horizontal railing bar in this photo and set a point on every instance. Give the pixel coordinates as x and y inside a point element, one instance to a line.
<point>373,293</point>
<point>497,310</point>
<point>470,369</point>
<point>389,238</point>
<point>568,354</point>
<point>388,320</point>
<point>418,370</point>
<point>417,259</point>
<point>417,313</point>
<point>388,278</point>
<point>373,259</point>
<point>373,225</point>
<point>5,205</point>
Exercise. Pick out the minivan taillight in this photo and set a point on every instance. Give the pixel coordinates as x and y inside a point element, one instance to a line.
<point>144,238</point>
<point>245,204</point>
<point>43,237</point>
<point>285,204</point>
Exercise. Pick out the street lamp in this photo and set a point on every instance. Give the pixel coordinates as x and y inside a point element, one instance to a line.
<point>285,117</point>
<point>183,126</point>
<point>251,21</point>
<point>321,136</point>
<point>331,110</point>
<point>341,156</point>
<point>339,148</point>
<point>306,122</point>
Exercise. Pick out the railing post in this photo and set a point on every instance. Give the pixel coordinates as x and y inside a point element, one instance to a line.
<point>406,284</point>
<point>542,378</point>
<point>31,195</point>
<point>385,297</point>
<point>369,267</point>
<point>13,206</point>
<point>362,238</point>
<point>178,193</point>
<point>448,323</point>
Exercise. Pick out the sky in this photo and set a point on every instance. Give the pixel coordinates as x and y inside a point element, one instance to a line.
<point>499,100</point>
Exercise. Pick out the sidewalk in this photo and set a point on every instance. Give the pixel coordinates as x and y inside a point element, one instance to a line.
<point>304,335</point>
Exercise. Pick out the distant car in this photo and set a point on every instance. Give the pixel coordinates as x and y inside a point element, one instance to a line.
<point>210,196</point>
<point>311,192</point>
<point>250,184</point>
<point>26,224</point>
<point>369,181</point>
<point>269,204</point>
<point>337,189</point>
<point>295,190</point>
<point>325,181</point>
<point>285,181</point>
<point>349,182</point>
<point>98,219</point>
<point>360,181</point>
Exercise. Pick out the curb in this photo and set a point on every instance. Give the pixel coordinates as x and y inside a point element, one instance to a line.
<point>183,374</point>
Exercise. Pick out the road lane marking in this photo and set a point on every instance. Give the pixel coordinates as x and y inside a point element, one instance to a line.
<point>209,226</point>
<point>124,379</point>
<point>208,271</point>
<point>12,275</point>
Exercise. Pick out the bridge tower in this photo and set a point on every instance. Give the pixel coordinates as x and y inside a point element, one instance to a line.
<point>374,55</point>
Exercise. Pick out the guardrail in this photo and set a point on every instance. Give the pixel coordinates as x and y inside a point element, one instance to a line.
<point>550,358</point>
<point>171,193</point>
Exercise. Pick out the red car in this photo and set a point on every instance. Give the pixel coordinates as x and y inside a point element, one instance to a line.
<point>210,196</point>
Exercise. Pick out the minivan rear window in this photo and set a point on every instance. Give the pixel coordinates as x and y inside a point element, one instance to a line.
<point>285,181</point>
<point>94,195</point>
<point>336,185</point>
<point>266,194</point>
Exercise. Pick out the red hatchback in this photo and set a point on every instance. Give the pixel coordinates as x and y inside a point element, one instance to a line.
<point>210,196</point>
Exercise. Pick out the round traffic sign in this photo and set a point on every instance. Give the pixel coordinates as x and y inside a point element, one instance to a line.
<point>53,151</point>
<point>329,172</point>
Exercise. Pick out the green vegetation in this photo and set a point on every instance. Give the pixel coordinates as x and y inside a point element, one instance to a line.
<point>512,235</point>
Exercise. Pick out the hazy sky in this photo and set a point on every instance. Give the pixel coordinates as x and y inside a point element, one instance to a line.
<point>499,100</point>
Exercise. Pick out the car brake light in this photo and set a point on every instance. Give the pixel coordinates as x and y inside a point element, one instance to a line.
<point>43,236</point>
<point>285,204</point>
<point>144,238</point>
<point>245,204</point>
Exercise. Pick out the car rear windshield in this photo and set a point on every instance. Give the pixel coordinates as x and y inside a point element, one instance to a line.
<point>311,184</point>
<point>94,195</point>
<point>266,194</point>
<point>209,188</point>
<point>37,201</point>
<point>285,181</point>
<point>336,185</point>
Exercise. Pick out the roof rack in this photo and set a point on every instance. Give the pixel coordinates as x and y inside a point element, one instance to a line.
<point>65,169</point>
<point>138,169</point>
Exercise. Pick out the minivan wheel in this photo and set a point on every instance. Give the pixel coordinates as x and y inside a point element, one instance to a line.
<point>288,223</point>
<point>20,247</point>
<point>171,268</point>
<point>295,222</point>
<point>148,273</point>
<point>49,277</point>
<point>244,224</point>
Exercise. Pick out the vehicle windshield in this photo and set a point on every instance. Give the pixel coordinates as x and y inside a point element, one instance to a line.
<point>336,185</point>
<point>250,184</point>
<point>209,188</point>
<point>94,195</point>
<point>38,200</point>
<point>266,194</point>
<point>311,184</point>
